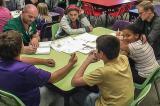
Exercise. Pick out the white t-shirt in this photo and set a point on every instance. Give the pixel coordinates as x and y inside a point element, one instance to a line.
<point>143,55</point>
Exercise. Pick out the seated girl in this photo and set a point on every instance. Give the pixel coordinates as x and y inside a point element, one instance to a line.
<point>140,52</point>
<point>74,22</point>
<point>43,16</point>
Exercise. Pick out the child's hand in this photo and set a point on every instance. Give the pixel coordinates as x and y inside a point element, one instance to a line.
<point>49,62</point>
<point>73,59</point>
<point>143,39</point>
<point>91,28</point>
<point>92,57</point>
<point>119,35</point>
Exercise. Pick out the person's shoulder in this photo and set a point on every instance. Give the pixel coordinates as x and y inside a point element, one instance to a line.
<point>14,20</point>
<point>23,64</point>
<point>122,60</point>
<point>156,19</point>
<point>123,57</point>
<point>4,9</point>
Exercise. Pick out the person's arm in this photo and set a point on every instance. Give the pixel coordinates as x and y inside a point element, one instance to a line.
<point>154,35</point>
<point>77,80</point>
<point>85,22</point>
<point>59,74</point>
<point>36,61</point>
<point>64,24</point>
<point>28,49</point>
<point>35,40</point>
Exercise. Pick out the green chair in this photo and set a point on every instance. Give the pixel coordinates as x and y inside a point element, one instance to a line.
<point>151,79</point>
<point>8,99</point>
<point>141,96</point>
<point>55,28</point>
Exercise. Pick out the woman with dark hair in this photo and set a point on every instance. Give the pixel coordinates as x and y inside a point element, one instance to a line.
<point>5,15</point>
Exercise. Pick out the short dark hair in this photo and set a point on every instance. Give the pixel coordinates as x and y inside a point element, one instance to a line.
<point>109,45</point>
<point>134,29</point>
<point>10,44</point>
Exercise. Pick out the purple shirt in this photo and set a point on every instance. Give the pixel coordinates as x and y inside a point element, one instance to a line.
<point>5,15</point>
<point>23,80</point>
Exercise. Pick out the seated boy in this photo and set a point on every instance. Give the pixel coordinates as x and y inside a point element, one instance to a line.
<point>114,80</point>
<point>23,79</point>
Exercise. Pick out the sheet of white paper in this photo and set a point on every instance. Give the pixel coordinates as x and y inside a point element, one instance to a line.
<point>43,50</point>
<point>86,37</point>
<point>86,50</point>
<point>45,44</point>
<point>91,44</point>
<point>67,45</point>
<point>83,43</point>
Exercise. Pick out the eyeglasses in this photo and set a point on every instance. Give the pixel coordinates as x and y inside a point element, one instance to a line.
<point>140,13</point>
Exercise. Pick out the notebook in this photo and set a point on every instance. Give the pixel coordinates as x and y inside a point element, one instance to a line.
<point>44,48</point>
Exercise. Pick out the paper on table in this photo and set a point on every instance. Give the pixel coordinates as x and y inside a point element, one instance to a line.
<point>91,44</point>
<point>86,50</point>
<point>67,45</point>
<point>44,48</point>
<point>86,37</point>
<point>83,43</point>
<point>45,44</point>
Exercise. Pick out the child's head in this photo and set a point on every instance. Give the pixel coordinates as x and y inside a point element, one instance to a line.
<point>131,33</point>
<point>42,8</point>
<point>10,44</point>
<point>73,12</point>
<point>108,45</point>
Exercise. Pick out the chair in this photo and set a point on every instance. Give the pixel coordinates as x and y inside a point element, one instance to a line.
<point>8,99</point>
<point>91,10</point>
<point>141,96</point>
<point>58,10</point>
<point>45,32</point>
<point>151,79</point>
<point>121,11</point>
<point>120,24</point>
<point>55,28</point>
